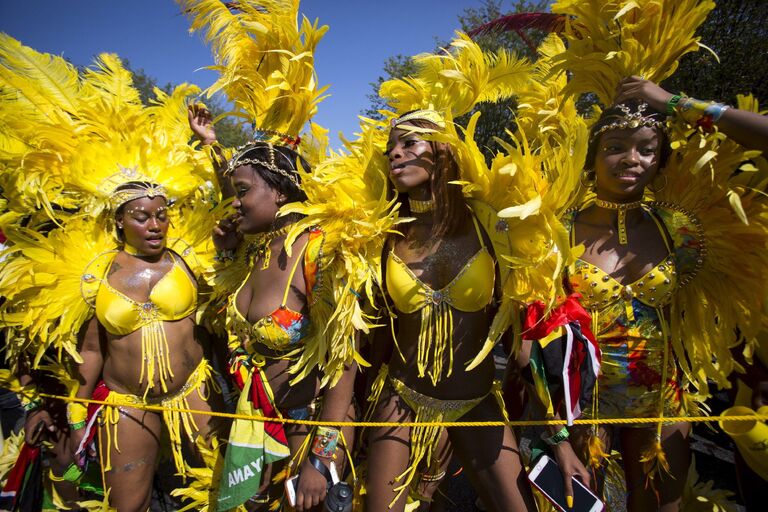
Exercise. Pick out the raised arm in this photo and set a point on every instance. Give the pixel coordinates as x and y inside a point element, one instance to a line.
<point>747,128</point>
<point>201,123</point>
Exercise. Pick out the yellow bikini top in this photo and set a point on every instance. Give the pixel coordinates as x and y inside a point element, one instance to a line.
<point>598,289</point>
<point>283,329</point>
<point>471,290</point>
<point>173,297</point>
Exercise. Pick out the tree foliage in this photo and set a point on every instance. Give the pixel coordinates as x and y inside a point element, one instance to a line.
<point>737,31</point>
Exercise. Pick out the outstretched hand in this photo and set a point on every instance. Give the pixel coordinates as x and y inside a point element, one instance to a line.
<point>201,123</point>
<point>639,88</point>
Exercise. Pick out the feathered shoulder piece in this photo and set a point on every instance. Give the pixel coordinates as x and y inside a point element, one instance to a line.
<point>608,40</point>
<point>720,231</point>
<point>457,79</point>
<point>519,200</point>
<point>45,280</point>
<point>349,217</point>
<point>264,59</point>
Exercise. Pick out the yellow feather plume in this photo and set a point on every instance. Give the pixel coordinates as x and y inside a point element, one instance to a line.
<point>347,199</point>
<point>458,79</point>
<point>265,61</point>
<point>613,39</point>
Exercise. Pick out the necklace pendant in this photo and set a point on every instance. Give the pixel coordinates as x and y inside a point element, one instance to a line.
<point>266,257</point>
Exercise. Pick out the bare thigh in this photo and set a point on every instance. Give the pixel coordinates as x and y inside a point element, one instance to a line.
<point>207,400</point>
<point>388,454</point>
<point>133,454</point>
<point>492,460</point>
<point>641,493</point>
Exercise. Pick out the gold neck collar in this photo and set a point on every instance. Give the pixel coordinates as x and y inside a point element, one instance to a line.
<point>622,213</point>
<point>417,206</point>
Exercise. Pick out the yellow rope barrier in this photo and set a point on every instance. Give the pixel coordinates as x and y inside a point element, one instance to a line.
<point>526,423</point>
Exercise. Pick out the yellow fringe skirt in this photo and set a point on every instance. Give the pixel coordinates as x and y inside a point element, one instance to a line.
<point>175,413</point>
<point>424,439</point>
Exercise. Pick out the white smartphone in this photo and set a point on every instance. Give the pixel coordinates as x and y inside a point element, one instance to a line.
<point>291,484</point>
<point>548,479</point>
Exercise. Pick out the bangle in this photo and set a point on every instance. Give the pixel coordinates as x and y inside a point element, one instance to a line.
<point>30,405</point>
<point>672,103</point>
<point>558,438</point>
<point>225,256</point>
<point>77,414</point>
<point>326,441</point>
<point>715,111</point>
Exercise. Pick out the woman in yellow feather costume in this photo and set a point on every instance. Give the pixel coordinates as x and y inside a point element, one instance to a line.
<point>292,286</point>
<point>103,288</point>
<point>640,262</point>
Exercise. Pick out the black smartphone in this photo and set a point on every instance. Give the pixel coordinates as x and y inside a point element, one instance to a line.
<point>548,479</point>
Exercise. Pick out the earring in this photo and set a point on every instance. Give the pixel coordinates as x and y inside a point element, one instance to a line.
<point>588,179</point>
<point>655,188</point>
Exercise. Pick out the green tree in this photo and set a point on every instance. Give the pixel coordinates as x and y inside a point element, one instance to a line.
<point>737,31</point>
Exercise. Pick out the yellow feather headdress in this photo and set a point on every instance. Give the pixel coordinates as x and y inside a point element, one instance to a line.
<point>68,141</point>
<point>264,59</point>
<point>457,79</point>
<point>72,139</point>
<point>608,40</point>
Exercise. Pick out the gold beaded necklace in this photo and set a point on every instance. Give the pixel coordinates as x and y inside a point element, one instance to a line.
<point>421,206</point>
<point>261,247</point>
<point>622,211</point>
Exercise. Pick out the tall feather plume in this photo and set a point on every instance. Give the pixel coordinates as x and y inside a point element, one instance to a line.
<point>458,79</point>
<point>265,61</point>
<point>610,40</point>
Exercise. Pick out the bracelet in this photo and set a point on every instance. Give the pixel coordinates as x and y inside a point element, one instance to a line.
<point>558,438</point>
<point>225,256</point>
<point>715,110</point>
<point>325,442</point>
<point>77,415</point>
<point>31,405</point>
<point>702,114</point>
<point>672,103</point>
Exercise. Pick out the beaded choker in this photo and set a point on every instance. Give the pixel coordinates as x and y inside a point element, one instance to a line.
<point>421,206</point>
<point>261,246</point>
<point>622,209</point>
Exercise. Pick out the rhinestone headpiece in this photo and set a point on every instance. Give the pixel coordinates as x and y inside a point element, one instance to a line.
<point>422,115</point>
<point>140,186</point>
<point>628,120</point>
<point>239,160</point>
<point>119,197</point>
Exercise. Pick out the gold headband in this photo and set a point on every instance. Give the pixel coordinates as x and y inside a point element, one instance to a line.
<point>136,191</point>
<point>237,161</point>
<point>628,120</point>
<point>422,115</point>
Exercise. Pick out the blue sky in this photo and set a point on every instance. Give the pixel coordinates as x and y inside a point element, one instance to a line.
<point>152,35</point>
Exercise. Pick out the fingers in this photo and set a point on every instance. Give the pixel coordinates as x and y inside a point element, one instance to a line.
<point>568,489</point>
